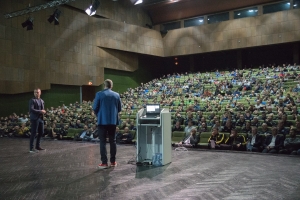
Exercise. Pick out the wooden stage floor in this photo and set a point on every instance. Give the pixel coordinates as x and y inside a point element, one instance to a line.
<point>68,170</point>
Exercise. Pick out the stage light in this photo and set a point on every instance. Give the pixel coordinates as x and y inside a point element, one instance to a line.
<point>138,2</point>
<point>54,17</point>
<point>92,9</point>
<point>28,23</point>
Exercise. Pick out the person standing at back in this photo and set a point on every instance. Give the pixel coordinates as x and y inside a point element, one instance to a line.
<point>107,105</point>
<point>36,110</point>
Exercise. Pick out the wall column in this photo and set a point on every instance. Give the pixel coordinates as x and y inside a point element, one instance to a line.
<point>80,92</point>
<point>192,63</point>
<point>296,53</point>
<point>239,59</point>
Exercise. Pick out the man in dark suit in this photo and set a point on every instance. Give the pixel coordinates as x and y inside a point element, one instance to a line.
<point>36,110</point>
<point>273,142</point>
<point>254,140</point>
<point>107,105</point>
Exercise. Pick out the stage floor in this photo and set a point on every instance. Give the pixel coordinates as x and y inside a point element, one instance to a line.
<point>68,170</point>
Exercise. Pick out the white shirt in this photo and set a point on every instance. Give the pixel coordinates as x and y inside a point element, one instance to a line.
<point>253,140</point>
<point>272,144</point>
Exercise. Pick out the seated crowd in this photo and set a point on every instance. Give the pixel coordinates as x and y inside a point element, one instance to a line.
<point>249,109</point>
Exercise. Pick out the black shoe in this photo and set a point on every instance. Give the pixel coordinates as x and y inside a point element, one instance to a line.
<point>39,148</point>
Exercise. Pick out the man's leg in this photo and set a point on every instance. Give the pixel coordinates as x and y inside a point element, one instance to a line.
<point>33,124</point>
<point>112,142</point>
<point>40,124</point>
<point>249,146</point>
<point>265,150</point>
<point>283,151</point>
<point>102,137</point>
<point>254,149</point>
<point>273,151</point>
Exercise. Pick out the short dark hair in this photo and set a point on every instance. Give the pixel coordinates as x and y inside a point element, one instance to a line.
<point>108,83</point>
<point>234,130</point>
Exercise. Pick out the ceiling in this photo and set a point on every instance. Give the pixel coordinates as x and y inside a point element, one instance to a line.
<point>162,11</point>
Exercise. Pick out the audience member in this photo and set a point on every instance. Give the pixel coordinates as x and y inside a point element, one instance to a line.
<point>254,140</point>
<point>234,142</point>
<point>291,144</point>
<point>273,143</point>
<point>215,139</point>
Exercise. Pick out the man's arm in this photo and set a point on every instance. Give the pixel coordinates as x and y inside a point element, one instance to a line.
<point>32,109</point>
<point>221,140</point>
<point>96,104</point>
<point>258,142</point>
<point>119,104</point>
<point>267,142</point>
<point>280,142</point>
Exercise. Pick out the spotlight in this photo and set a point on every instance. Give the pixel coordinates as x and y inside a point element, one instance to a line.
<point>92,9</point>
<point>28,23</point>
<point>54,17</point>
<point>138,2</point>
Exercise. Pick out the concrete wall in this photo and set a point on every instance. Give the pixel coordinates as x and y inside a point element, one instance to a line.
<point>275,28</point>
<point>67,54</point>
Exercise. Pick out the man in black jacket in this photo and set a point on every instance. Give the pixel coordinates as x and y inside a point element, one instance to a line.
<point>37,111</point>
<point>177,127</point>
<point>273,143</point>
<point>234,142</point>
<point>254,140</point>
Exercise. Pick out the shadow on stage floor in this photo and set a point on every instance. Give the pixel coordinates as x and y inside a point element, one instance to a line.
<point>68,170</point>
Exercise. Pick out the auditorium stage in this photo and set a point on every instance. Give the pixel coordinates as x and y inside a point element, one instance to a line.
<point>67,170</point>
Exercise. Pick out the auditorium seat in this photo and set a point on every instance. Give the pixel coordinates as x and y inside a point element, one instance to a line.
<point>204,139</point>
<point>177,136</point>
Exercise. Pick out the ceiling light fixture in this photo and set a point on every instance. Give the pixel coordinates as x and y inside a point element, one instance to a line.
<point>138,2</point>
<point>92,9</point>
<point>54,17</point>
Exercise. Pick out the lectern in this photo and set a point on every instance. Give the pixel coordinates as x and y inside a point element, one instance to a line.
<point>154,137</point>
